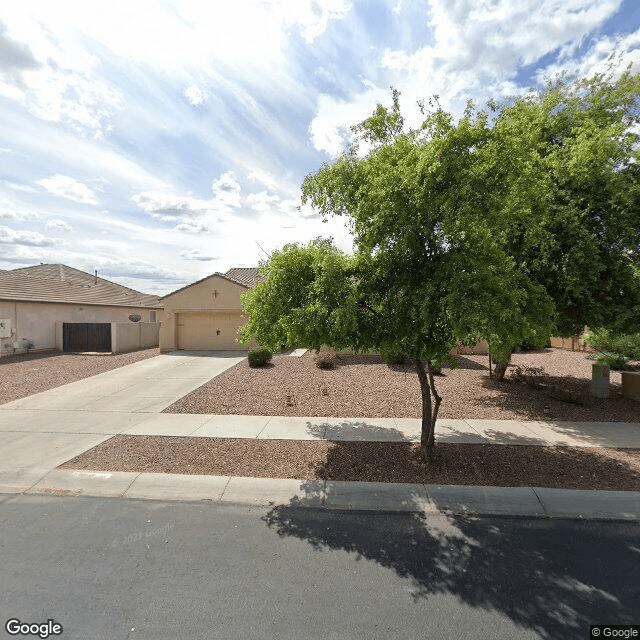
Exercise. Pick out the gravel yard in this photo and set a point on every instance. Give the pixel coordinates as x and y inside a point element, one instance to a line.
<point>359,387</point>
<point>470,464</point>
<point>24,375</point>
<point>363,386</point>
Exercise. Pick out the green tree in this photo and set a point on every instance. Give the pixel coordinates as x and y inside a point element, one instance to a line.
<point>509,228</point>
<point>566,188</point>
<point>307,300</point>
<point>428,269</point>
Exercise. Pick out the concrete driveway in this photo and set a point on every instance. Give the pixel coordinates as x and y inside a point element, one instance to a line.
<point>42,431</point>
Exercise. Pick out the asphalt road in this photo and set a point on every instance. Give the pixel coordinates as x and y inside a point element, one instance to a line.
<point>113,568</point>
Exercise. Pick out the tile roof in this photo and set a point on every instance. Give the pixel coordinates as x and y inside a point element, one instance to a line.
<point>247,276</point>
<point>59,283</point>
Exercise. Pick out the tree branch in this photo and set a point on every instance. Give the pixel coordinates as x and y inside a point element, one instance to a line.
<point>438,399</point>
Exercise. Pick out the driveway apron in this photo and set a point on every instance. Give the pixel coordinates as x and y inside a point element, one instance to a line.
<point>42,431</point>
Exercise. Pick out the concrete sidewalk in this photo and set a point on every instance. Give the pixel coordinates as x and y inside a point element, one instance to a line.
<point>40,432</point>
<point>34,443</point>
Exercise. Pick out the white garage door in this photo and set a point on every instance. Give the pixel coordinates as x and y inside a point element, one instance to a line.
<point>208,331</point>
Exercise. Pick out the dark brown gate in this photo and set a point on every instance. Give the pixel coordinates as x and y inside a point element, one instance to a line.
<point>86,336</point>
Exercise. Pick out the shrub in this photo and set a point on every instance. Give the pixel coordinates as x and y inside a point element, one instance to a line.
<point>533,376</point>
<point>614,350</point>
<point>326,358</point>
<point>259,357</point>
<point>614,361</point>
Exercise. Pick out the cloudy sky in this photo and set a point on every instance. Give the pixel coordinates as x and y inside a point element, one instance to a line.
<point>161,141</point>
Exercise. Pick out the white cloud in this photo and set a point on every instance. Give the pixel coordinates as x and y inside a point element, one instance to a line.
<point>132,268</point>
<point>171,35</point>
<point>503,33</point>
<point>195,95</point>
<point>265,178</point>
<point>226,190</point>
<point>15,57</point>
<point>330,129</point>
<point>263,201</point>
<point>597,58</point>
<point>18,187</point>
<point>314,17</point>
<point>84,103</point>
<point>65,88</point>
<point>57,224</point>
<point>171,207</point>
<point>195,254</point>
<point>29,238</point>
<point>70,188</point>
<point>10,210</point>
<point>192,227</point>
<point>475,53</point>
<point>193,214</point>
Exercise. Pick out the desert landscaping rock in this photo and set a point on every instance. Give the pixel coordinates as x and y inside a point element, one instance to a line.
<point>360,387</point>
<point>395,462</point>
<point>363,386</point>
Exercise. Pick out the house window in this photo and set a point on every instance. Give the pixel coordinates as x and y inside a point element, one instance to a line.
<point>152,316</point>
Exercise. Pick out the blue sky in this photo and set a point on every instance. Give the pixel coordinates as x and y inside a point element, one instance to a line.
<point>159,142</point>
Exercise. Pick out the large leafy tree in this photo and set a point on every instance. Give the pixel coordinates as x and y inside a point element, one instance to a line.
<point>566,185</point>
<point>508,227</point>
<point>429,270</point>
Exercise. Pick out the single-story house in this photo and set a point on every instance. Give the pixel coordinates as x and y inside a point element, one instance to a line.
<point>207,314</point>
<point>56,307</point>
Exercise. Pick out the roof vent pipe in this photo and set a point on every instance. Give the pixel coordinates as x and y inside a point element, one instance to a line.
<point>96,276</point>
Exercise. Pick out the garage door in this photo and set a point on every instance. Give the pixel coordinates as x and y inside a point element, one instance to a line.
<point>208,331</point>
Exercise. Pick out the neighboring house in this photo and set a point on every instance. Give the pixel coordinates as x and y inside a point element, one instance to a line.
<point>207,314</point>
<point>52,306</point>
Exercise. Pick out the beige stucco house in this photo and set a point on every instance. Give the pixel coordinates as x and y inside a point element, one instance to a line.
<point>56,307</point>
<point>207,314</point>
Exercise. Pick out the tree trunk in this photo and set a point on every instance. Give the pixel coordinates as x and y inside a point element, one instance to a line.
<point>429,416</point>
<point>501,367</point>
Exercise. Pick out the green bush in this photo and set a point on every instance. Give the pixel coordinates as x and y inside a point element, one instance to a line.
<point>259,357</point>
<point>614,350</point>
<point>326,358</point>
<point>614,361</point>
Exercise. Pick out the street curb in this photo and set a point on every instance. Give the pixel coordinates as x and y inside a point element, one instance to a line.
<point>344,496</point>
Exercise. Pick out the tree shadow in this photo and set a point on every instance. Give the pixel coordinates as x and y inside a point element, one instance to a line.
<point>467,363</point>
<point>28,356</point>
<point>507,463</point>
<point>551,576</point>
<point>354,429</point>
<point>545,404</point>
<point>514,439</point>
